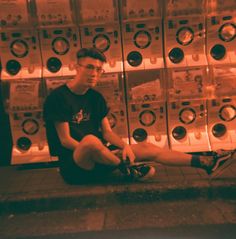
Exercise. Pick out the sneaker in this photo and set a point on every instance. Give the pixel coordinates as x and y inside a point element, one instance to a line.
<point>134,172</point>
<point>221,160</point>
<point>140,172</point>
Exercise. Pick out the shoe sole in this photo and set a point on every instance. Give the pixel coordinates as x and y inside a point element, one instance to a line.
<point>149,176</point>
<point>222,168</point>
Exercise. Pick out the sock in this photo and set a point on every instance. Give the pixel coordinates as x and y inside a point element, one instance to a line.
<point>203,162</point>
<point>195,161</point>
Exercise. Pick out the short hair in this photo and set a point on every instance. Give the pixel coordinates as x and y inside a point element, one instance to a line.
<point>91,52</point>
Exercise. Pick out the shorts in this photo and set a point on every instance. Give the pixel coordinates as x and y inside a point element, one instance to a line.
<point>73,174</point>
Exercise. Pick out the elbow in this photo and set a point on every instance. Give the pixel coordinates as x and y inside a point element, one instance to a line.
<point>64,142</point>
<point>106,135</point>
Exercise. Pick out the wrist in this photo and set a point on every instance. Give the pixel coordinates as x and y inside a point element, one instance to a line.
<point>125,145</point>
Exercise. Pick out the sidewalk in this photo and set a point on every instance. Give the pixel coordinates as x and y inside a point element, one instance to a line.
<point>40,188</point>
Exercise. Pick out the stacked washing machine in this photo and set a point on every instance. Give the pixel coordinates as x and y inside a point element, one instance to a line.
<point>22,85</point>
<point>141,23</point>
<point>59,41</point>
<point>221,54</point>
<point>99,28</point>
<point>186,62</point>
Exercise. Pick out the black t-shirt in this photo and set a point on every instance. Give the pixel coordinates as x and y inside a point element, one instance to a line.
<point>84,114</point>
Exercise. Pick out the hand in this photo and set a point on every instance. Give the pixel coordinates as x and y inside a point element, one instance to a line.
<point>128,153</point>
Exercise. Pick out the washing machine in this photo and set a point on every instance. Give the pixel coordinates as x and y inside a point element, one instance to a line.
<point>21,75</point>
<point>25,98</point>
<point>110,86</point>
<point>100,28</point>
<point>20,54</point>
<point>221,50</point>
<point>147,108</point>
<point>187,75</point>
<point>222,108</point>
<point>141,23</point>
<point>187,112</point>
<point>185,30</point>
<point>59,37</point>
<point>221,32</point>
<point>18,41</point>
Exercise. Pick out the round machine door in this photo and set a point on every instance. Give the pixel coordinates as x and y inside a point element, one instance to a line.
<point>179,132</point>
<point>219,130</point>
<point>184,36</point>
<point>142,39</point>
<point>227,32</point>
<point>147,118</point>
<point>23,143</point>
<point>218,52</point>
<point>176,55</point>
<point>101,42</point>
<point>13,67</point>
<point>30,126</point>
<point>140,134</point>
<point>134,58</point>
<point>60,46</point>
<point>227,113</point>
<point>54,64</point>
<point>19,48</point>
<point>187,115</point>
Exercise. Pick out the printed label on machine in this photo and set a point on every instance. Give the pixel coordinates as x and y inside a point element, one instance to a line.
<point>140,9</point>
<point>188,82</point>
<point>24,95</point>
<point>225,80</point>
<point>104,10</point>
<point>51,11</point>
<point>148,91</point>
<point>189,7</point>
<point>108,86</point>
<point>13,12</point>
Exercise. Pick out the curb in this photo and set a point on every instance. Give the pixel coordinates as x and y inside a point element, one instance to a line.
<point>111,195</point>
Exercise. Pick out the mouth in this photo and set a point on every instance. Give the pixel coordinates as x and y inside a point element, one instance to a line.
<point>91,81</point>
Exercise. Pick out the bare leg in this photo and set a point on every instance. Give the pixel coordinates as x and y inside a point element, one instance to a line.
<point>91,151</point>
<point>151,152</point>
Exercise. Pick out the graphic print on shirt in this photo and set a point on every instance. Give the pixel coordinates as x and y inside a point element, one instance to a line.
<point>80,116</point>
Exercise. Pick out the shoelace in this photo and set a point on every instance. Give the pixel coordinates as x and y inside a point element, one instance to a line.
<point>222,153</point>
<point>135,170</point>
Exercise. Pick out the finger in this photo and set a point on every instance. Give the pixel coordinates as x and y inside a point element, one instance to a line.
<point>124,155</point>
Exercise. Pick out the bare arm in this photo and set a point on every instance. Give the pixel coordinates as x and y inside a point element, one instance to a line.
<point>114,139</point>
<point>63,132</point>
<point>110,136</point>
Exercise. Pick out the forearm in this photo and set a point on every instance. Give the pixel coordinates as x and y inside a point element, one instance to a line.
<point>70,143</point>
<point>114,139</point>
<point>63,132</point>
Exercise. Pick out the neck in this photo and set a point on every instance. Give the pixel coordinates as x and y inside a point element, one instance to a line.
<point>77,89</point>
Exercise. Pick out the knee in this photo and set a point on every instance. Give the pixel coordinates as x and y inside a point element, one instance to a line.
<point>149,146</point>
<point>150,149</point>
<point>91,142</point>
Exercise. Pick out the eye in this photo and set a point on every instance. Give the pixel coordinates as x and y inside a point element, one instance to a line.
<point>90,67</point>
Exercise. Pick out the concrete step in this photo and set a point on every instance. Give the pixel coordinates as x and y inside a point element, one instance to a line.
<point>25,189</point>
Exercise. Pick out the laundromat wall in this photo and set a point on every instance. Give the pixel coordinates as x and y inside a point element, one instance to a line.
<point>170,76</point>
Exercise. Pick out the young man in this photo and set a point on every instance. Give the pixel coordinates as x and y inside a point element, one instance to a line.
<point>77,125</point>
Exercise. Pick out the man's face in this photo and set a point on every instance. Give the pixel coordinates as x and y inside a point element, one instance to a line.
<point>88,71</point>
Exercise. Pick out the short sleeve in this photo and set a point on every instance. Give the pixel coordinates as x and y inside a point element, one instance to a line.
<point>55,109</point>
<point>102,107</point>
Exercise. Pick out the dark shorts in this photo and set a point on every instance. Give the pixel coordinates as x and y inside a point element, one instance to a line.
<point>73,174</point>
